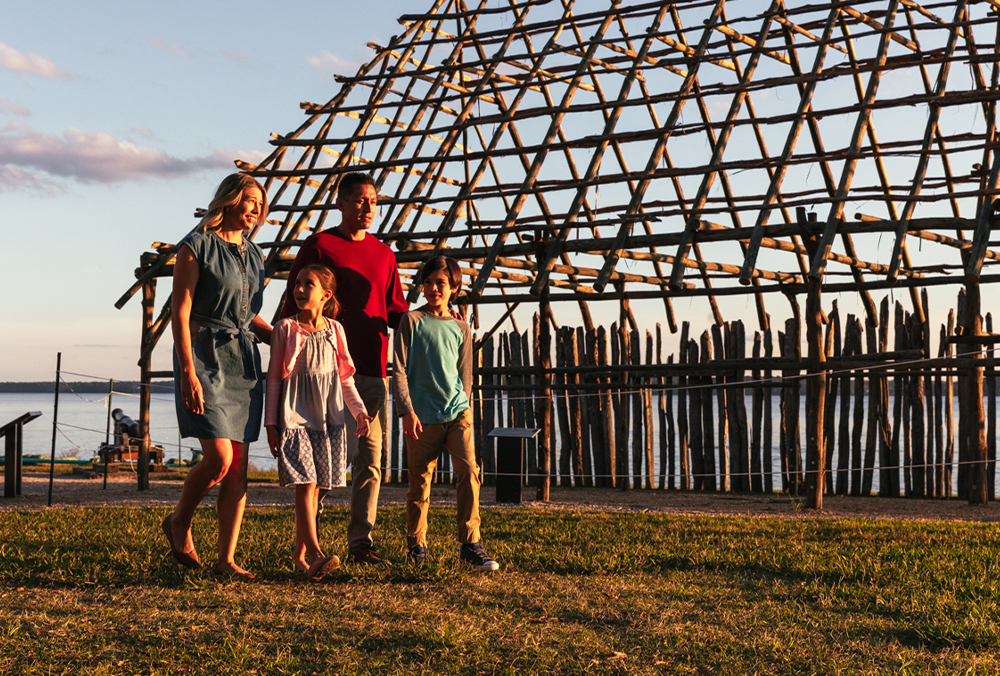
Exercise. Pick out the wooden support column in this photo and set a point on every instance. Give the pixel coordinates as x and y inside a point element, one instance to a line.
<point>148,302</point>
<point>543,405</point>
<point>815,396</point>
<point>976,429</point>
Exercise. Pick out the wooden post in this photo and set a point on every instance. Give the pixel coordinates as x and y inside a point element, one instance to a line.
<point>906,458</point>
<point>721,355</point>
<point>683,441</point>
<point>55,430</point>
<point>767,442</point>
<point>585,401</point>
<point>148,301</point>
<point>834,345</point>
<point>963,405</point>
<point>874,401</point>
<point>974,398</point>
<point>815,398</point>
<point>791,404</point>
<point>757,410</point>
<point>949,415</point>
<point>543,402</point>
<point>647,405</point>
<point>636,394</point>
<point>991,418</point>
<point>844,440</point>
<point>610,451</point>
<point>528,406</point>
<point>708,419</point>
<point>488,451</point>
<point>933,420</point>
<point>561,397</point>
<point>695,425</point>
<point>737,411</point>
<point>859,414</point>
<point>917,433</point>
<point>885,438</point>
<point>897,407</point>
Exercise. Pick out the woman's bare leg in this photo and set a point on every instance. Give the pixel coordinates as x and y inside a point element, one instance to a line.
<point>232,501</point>
<point>217,456</point>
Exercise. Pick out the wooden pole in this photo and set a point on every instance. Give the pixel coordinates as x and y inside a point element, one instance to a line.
<point>974,399</point>
<point>543,359</point>
<point>55,426</point>
<point>815,398</point>
<point>148,301</point>
<point>708,419</point>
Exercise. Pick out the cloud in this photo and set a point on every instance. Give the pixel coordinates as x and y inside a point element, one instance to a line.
<point>91,157</point>
<point>16,180</point>
<point>174,49</point>
<point>11,59</point>
<point>327,61</point>
<point>236,55</point>
<point>12,108</point>
<point>144,132</point>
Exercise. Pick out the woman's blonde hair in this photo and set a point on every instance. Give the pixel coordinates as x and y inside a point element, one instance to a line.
<point>229,194</point>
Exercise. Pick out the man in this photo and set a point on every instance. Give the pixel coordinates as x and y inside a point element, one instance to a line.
<point>372,301</point>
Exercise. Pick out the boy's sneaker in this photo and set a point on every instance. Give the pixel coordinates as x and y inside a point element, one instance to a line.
<point>476,556</point>
<point>417,555</point>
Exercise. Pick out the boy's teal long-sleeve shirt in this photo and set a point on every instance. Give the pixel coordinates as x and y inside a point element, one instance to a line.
<point>433,366</point>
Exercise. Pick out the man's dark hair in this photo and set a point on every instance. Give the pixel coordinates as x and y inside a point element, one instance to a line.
<point>349,183</point>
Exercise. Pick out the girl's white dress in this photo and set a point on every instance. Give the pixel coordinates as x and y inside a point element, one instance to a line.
<point>310,405</point>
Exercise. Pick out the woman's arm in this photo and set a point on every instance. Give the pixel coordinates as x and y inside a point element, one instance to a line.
<point>186,274</point>
<point>261,329</point>
<point>275,372</point>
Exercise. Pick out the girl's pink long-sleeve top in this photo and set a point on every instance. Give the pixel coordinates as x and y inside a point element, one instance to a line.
<point>287,341</point>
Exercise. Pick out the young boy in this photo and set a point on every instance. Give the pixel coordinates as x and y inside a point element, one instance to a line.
<point>433,379</point>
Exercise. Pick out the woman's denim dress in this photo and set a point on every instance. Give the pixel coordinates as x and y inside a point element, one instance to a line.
<point>229,294</point>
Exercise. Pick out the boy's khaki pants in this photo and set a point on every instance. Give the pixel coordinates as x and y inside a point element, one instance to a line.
<point>422,456</point>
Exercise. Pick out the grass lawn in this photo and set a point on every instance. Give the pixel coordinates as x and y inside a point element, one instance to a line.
<point>94,591</point>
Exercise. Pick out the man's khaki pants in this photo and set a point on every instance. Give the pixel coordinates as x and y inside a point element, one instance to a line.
<point>365,456</point>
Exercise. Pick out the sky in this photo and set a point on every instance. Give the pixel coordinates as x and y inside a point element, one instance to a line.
<point>117,120</point>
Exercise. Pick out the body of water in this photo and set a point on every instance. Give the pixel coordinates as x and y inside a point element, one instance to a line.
<point>83,420</point>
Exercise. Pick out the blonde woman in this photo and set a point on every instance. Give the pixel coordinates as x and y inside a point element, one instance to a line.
<point>219,385</point>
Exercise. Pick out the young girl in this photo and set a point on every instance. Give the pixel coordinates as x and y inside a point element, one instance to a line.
<point>433,378</point>
<point>309,381</point>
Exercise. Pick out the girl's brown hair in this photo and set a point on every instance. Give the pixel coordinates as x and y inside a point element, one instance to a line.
<point>329,283</point>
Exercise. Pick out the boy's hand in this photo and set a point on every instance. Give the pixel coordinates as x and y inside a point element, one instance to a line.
<point>273,439</point>
<point>363,427</point>
<point>411,425</point>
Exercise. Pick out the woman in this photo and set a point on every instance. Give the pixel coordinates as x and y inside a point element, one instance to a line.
<point>219,386</point>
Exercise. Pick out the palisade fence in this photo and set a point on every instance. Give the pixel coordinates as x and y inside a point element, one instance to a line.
<point>704,416</point>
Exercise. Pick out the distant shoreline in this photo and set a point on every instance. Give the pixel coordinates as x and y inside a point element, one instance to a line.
<point>90,387</point>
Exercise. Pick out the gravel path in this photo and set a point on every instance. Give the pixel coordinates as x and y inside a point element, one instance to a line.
<point>75,491</point>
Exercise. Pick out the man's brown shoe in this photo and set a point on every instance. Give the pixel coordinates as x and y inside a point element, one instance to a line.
<point>366,556</point>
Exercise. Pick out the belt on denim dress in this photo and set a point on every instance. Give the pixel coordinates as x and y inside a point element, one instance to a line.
<point>245,336</point>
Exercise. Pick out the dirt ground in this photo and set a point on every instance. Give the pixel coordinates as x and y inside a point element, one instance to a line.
<point>75,491</point>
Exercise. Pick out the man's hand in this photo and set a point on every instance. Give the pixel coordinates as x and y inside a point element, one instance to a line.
<point>411,425</point>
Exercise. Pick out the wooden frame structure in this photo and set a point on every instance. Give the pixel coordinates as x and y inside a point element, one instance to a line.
<point>615,150</point>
